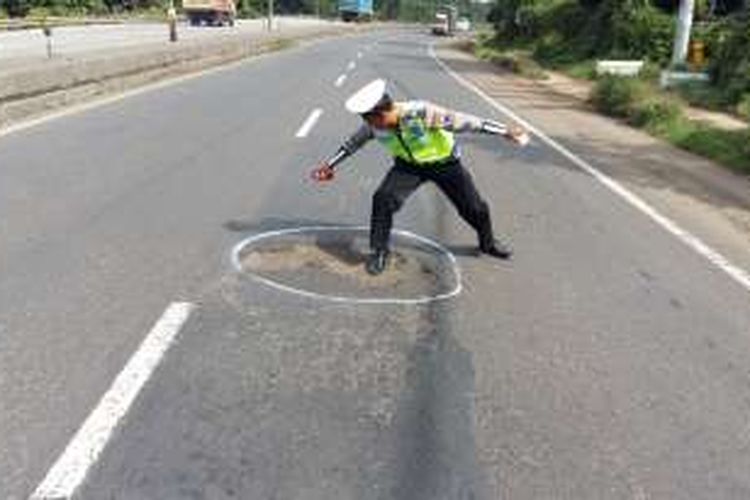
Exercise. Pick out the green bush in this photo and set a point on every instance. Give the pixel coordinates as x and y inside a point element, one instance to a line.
<point>38,13</point>
<point>730,147</point>
<point>566,31</point>
<point>632,99</point>
<point>743,108</point>
<point>524,65</point>
<point>642,32</point>
<point>517,62</point>
<point>557,52</point>
<point>16,8</point>
<point>583,69</point>
<point>703,95</point>
<point>617,96</point>
<point>656,114</point>
<point>730,64</point>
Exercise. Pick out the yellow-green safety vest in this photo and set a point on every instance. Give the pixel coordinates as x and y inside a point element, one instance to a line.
<point>415,143</point>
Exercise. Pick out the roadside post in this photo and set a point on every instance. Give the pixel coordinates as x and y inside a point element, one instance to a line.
<point>172,21</point>
<point>47,30</point>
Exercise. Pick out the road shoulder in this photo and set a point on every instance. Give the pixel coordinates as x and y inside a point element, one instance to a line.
<point>705,199</point>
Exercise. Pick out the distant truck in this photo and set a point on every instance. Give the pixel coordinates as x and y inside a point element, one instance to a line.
<point>210,12</point>
<point>445,21</point>
<point>355,10</point>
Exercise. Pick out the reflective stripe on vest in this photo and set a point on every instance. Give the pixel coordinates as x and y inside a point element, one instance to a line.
<point>418,144</point>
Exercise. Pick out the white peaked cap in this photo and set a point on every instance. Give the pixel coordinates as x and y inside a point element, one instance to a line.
<point>367,97</point>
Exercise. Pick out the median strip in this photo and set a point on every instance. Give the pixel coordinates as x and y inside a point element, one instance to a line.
<point>30,92</point>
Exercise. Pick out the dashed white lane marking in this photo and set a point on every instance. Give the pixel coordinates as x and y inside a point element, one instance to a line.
<point>738,274</point>
<point>309,123</point>
<point>70,469</point>
<point>239,247</point>
<point>351,66</point>
<point>359,55</point>
<point>340,80</point>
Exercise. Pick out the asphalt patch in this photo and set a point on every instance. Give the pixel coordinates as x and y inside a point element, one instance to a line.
<point>331,263</point>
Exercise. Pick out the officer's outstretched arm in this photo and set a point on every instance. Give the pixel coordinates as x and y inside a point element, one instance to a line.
<point>325,171</point>
<point>458,122</point>
<point>514,133</point>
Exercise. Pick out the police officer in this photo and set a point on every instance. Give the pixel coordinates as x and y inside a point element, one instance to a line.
<point>420,136</point>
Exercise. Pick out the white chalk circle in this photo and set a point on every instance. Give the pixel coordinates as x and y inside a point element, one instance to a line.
<point>327,263</point>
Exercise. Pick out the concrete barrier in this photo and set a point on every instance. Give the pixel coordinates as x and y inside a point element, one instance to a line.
<point>669,79</point>
<point>29,92</point>
<point>619,68</point>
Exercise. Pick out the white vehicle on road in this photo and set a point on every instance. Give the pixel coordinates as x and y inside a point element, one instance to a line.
<point>463,24</point>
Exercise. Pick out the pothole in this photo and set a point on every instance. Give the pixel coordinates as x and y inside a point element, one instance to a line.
<point>329,263</point>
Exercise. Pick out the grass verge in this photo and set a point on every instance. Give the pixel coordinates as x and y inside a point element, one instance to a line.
<point>638,101</point>
<point>518,61</point>
<point>640,105</point>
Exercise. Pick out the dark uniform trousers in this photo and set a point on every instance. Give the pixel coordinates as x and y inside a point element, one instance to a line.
<point>452,179</point>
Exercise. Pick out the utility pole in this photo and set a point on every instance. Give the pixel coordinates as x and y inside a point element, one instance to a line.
<point>682,37</point>
<point>270,15</point>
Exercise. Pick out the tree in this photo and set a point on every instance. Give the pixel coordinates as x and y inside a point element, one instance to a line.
<point>16,8</point>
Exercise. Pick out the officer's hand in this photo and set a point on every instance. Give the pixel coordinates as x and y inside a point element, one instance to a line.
<point>323,173</point>
<point>518,135</point>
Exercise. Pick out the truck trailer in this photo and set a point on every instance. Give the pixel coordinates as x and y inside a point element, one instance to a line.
<point>355,10</point>
<point>210,12</point>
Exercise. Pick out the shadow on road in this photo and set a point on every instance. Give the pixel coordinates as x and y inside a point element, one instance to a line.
<point>437,457</point>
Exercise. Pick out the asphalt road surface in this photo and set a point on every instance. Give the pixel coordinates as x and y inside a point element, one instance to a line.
<point>607,360</point>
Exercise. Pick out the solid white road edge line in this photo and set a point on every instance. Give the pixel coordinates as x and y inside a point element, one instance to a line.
<point>717,259</point>
<point>70,469</point>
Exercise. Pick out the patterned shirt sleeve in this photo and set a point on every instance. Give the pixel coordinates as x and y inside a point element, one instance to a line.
<point>358,139</point>
<point>436,116</point>
<point>351,145</point>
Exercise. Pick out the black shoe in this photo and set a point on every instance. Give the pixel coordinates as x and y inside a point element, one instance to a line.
<point>377,262</point>
<point>497,250</point>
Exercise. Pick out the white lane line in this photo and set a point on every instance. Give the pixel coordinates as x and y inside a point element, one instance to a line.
<point>309,123</point>
<point>340,80</point>
<point>351,66</point>
<point>738,274</point>
<point>70,469</point>
<point>359,55</point>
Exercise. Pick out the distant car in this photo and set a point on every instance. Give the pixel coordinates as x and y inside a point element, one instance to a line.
<point>463,24</point>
